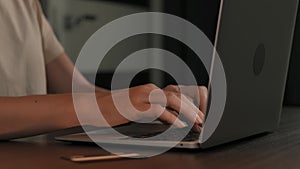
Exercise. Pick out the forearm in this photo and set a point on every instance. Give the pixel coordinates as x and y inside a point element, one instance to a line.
<point>32,115</point>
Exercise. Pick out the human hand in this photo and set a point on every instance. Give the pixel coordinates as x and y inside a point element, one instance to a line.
<point>200,99</point>
<point>196,94</point>
<point>148,102</point>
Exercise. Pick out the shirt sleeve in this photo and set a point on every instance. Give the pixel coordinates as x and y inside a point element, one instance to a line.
<point>51,46</point>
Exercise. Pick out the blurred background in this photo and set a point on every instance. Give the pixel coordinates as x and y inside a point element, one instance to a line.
<point>74,21</point>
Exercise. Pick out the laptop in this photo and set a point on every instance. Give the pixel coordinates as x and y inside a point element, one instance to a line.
<point>253,39</point>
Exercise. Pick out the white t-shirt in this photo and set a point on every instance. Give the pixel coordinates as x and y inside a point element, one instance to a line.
<point>27,44</point>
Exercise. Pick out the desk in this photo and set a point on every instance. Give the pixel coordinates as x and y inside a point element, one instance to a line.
<point>278,150</point>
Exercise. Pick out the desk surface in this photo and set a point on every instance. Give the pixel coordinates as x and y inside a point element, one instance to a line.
<point>277,150</point>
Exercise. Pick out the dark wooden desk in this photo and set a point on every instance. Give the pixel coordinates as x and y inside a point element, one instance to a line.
<point>279,150</point>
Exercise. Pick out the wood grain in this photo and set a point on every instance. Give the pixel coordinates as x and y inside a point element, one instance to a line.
<point>277,150</point>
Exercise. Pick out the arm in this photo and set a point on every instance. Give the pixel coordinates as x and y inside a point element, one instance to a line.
<point>33,115</point>
<point>60,72</point>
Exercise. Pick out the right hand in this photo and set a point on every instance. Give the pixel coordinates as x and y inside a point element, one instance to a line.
<point>146,108</point>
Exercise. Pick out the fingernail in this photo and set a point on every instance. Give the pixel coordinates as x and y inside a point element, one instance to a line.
<point>198,119</point>
<point>197,128</point>
<point>180,124</point>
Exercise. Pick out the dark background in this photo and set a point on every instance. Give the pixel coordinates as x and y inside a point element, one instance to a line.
<point>202,13</point>
<point>292,94</point>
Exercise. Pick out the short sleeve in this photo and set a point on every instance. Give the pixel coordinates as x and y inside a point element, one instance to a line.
<point>51,46</point>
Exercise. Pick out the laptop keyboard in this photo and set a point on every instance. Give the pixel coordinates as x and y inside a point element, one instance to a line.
<point>148,131</point>
<point>171,136</point>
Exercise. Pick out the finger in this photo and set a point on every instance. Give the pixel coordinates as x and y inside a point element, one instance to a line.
<point>181,90</point>
<point>172,88</point>
<point>190,91</point>
<point>190,104</point>
<point>181,104</point>
<point>189,98</point>
<point>199,94</point>
<point>196,127</point>
<point>173,112</point>
<point>203,94</point>
<point>171,118</point>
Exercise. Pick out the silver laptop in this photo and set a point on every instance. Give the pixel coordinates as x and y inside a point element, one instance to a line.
<point>253,39</point>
